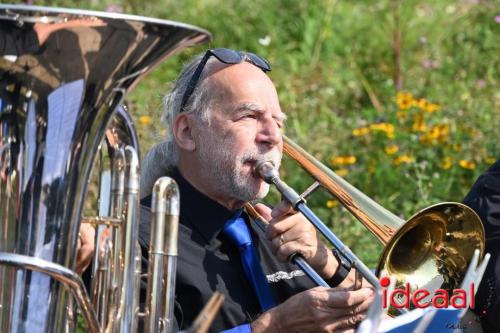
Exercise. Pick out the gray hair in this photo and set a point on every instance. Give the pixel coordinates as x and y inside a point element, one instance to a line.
<point>163,156</point>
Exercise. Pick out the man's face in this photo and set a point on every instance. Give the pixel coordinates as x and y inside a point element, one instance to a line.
<point>245,127</point>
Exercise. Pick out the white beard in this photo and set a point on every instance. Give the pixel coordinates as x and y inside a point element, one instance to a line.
<point>224,170</point>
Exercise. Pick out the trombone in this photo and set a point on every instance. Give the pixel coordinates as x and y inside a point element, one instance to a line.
<point>431,250</point>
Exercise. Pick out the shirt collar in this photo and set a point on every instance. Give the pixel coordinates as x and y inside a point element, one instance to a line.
<point>199,212</point>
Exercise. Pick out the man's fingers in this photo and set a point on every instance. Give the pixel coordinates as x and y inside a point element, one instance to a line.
<point>284,252</point>
<point>347,299</point>
<point>84,257</point>
<point>345,324</point>
<point>87,234</point>
<point>264,211</point>
<point>282,209</point>
<point>85,247</point>
<point>278,227</point>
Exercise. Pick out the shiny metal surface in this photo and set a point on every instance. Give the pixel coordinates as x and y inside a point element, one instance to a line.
<point>129,303</point>
<point>431,250</point>
<point>116,276</point>
<point>165,209</point>
<point>62,274</point>
<point>298,204</point>
<point>61,77</point>
<point>381,222</point>
<point>113,273</point>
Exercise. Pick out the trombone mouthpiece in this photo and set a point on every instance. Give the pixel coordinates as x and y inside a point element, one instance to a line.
<point>266,171</point>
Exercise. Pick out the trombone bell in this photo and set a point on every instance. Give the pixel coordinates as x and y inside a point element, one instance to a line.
<point>431,250</point>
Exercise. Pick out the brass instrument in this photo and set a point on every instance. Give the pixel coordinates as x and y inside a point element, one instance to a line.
<point>431,250</point>
<point>63,72</point>
<point>163,256</point>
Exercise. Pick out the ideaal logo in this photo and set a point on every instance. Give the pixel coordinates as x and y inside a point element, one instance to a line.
<point>423,298</point>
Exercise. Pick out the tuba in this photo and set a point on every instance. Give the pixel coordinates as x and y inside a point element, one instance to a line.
<point>63,74</point>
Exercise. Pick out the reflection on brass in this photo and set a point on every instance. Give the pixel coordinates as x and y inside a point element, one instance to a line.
<point>431,250</point>
<point>63,72</point>
<point>101,220</point>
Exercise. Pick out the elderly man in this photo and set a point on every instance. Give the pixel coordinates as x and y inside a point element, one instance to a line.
<point>224,116</point>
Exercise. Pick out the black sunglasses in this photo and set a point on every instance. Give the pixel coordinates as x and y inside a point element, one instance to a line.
<point>226,56</point>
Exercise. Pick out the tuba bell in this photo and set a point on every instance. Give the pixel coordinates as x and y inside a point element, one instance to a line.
<point>63,73</point>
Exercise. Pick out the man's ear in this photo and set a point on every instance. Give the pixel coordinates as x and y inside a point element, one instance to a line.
<point>183,127</point>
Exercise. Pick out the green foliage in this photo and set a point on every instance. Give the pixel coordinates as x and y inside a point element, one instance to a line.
<point>336,70</point>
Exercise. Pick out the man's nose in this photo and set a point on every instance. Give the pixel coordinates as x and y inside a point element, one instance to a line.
<point>269,133</point>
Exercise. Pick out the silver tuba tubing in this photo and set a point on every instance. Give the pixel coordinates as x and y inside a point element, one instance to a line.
<point>128,304</point>
<point>116,276</point>
<point>165,208</point>
<point>58,94</point>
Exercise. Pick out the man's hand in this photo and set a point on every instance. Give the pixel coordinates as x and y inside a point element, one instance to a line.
<point>85,247</point>
<point>317,310</point>
<point>290,232</point>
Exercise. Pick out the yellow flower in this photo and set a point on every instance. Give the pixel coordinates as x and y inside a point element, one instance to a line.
<point>431,107</point>
<point>343,160</point>
<point>350,159</point>
<point>331,203</point>
<point>342,172</point>
<point>421,104</point>
<point>391,150</point>
<point>444,132</point>
<point>401,115</point>
<point>144,120</point>
<point>446,163</point>
<point>404,100</point>
<point>418,123</point>
<point>433,133</point>
<point>490,160</point>
<point>387,128</point>
<point>360,131</point>
<point>425,139</point>
<point>436,133</point>
<point>467,164</point>
<point>337,160</point>
<point>403,159</point>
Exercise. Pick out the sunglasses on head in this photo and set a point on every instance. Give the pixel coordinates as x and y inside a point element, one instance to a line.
<point>226,56</point>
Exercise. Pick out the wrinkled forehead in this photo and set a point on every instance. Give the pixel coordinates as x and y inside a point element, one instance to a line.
<point>244,85</point>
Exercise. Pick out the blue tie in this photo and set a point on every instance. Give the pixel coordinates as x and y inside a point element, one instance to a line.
<point>238,232</point>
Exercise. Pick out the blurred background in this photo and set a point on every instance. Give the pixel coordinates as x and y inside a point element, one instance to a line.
<point>401,98</point>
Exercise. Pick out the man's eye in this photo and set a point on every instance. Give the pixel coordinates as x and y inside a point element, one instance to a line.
<point>251,116</point>
<point>279,123</point>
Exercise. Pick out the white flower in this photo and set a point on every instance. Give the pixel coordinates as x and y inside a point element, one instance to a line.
<point>265,41</point>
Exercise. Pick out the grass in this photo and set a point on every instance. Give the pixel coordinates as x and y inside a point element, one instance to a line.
<point>341,68</point>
